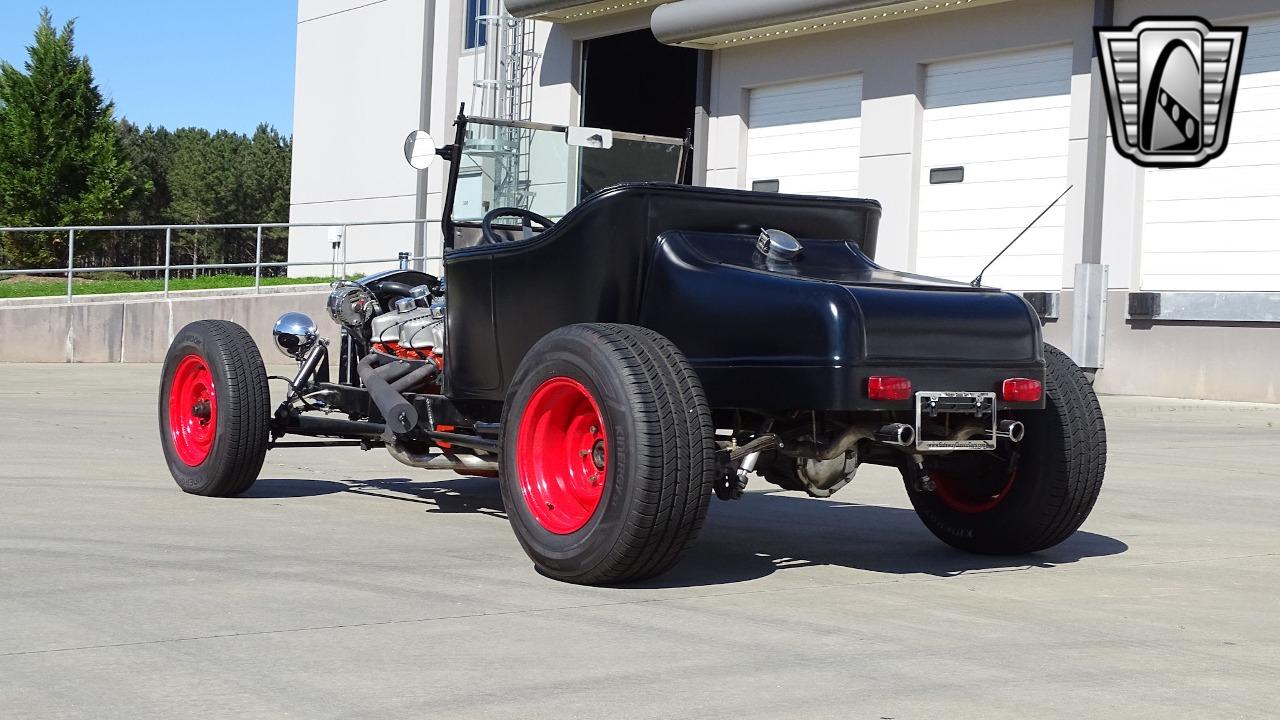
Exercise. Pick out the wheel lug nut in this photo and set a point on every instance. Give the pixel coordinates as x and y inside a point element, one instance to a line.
<point>595,480</point>
<point>551,506</point>
<point>594,430</point>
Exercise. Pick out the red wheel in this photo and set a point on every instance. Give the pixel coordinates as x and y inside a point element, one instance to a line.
<point>1026,498</point>
<point>971,496</point>
<point>214,409</point>
<point>562,455</point>
<point>193,410</point>
<point>608,454</point>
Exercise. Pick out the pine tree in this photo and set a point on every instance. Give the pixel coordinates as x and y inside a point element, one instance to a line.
<point>60,157</point>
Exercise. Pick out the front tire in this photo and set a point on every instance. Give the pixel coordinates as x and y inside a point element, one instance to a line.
<point>986,504</point>
<point>215,409</point>
<point>608,454</point>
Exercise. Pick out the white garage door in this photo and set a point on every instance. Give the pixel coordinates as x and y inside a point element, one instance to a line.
<point>1217,227</point>
<point>805,136</point>
<point>1003,119</point>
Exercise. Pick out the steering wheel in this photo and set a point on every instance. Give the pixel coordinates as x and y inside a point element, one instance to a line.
<point>530,218</point>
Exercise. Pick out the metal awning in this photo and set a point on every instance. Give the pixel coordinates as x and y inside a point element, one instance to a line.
<point>719,24</point>
<point>574,10</point>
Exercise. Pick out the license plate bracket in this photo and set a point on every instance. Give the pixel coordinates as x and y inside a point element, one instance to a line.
<point>980,405</point>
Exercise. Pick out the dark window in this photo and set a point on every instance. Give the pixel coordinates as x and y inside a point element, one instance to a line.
<point>944,175</point>
<point>769,186</point>
<point>477,32</point>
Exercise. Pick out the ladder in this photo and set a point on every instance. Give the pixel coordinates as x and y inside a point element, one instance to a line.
<point>505,68</point>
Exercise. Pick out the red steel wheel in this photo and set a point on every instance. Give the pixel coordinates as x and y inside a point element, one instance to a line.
<point>214,409</point>
<point>971,497</point>
<point>193,410</point>
<point>562,455</point>
<point>1001,504</point>
<point>608,454</point>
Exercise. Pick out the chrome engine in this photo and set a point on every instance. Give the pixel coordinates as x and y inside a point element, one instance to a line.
<point>412,325</point>
<point>415,323</point>
<point>351,305</point>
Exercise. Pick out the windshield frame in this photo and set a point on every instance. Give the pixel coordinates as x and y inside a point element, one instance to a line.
<point>455,154</point>
<point>528,125</point>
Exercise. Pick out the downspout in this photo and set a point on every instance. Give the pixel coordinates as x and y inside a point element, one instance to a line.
<point>702,117</point>
<point>420,232</point>
<point>1089,306</point>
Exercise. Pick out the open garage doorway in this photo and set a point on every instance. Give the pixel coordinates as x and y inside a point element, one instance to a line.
<point>633,83</point>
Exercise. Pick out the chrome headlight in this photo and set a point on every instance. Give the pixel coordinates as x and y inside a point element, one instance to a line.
<point>295,334</point>
<point>352,305</point>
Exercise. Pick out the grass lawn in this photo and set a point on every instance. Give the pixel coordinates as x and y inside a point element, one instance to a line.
<point>44,286</point>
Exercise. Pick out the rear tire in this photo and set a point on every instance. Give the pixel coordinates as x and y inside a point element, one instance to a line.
<point>625,502</point>
<point>981,507</point>
<point>215,409</point>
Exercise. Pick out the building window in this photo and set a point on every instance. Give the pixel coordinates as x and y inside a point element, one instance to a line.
<point>477,32</point>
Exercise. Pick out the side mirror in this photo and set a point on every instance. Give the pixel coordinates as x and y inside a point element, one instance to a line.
<point>419,150</point>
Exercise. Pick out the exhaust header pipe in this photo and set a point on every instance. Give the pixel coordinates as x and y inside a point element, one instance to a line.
<point>399,413</point>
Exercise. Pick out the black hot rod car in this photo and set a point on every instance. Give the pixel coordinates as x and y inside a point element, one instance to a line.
<point>616,347</point>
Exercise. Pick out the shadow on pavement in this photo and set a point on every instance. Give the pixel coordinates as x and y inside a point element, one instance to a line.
<point>463,494</point>
<point>766,532</point>
<point>760,534</point>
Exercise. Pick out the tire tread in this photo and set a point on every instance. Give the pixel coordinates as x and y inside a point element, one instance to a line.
<point>234,465</point>
<point>1070,473</point>
<point>674,452</point>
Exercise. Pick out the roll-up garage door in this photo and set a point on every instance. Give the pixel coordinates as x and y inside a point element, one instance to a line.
<point>1217,227</point>
<point>993,154</point>
<point>803,137</point>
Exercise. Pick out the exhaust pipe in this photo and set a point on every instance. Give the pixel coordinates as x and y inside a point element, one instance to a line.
<point>899,434</point>
<point>441,461</point>
<point>399,413</point>
<point>1011,429</point>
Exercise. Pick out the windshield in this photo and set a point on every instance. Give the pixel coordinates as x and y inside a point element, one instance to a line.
<point>536,167</point>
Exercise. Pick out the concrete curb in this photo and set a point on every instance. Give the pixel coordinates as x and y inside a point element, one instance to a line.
<point>158,295</point>
<point>139,329</point>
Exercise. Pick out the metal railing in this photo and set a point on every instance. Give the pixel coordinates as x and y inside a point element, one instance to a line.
<point>342,261</point>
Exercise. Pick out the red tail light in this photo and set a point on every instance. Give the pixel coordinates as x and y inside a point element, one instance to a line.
<point>887,387</point>
<point>1022,390</point>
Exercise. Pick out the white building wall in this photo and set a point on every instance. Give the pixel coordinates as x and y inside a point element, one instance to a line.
<point>1004,118</point>
<point>1216,227</point>
<point>361,87</point>
<point>891,58</point>
<point>359,91</point>
<point>805,136</point>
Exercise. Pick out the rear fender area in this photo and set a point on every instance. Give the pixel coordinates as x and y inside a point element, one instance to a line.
<point>805,336</point>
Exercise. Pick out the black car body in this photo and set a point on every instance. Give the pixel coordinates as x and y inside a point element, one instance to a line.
<point>798,335</point>
<point>729,332</point>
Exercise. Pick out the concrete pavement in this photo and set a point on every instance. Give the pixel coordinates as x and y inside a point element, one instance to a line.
<point>345,585</point>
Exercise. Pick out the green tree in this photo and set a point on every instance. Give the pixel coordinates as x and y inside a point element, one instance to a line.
<point>223,178</point>
<point>149,153</point>
<point>60,156</point>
